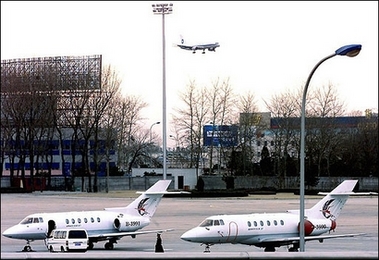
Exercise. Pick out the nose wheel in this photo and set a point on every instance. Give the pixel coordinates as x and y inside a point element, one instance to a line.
<point>207,248</point>
<point>27,248</point>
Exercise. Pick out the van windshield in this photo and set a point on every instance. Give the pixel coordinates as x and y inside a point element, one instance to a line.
<point>77,234</point>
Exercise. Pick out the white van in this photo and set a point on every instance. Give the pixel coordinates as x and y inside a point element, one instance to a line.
<point>65,240</point>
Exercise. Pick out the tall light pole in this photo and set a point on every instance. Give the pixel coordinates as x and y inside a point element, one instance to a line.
<point>163,9</point>
<point>350,51</point>
<point>156,123</point>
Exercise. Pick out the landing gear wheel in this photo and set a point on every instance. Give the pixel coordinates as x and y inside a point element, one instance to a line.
<point>108,246</point>
<point>270,249</point>
<point>207,249</point>
<point>294,248</point>
<point>27,248</point>
<point>90,245</point>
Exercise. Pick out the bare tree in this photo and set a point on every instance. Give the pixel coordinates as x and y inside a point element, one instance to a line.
<point>322,137</point>
<point>222,103</point>
<point>190,119</point>
<point>129,114</point>
<point>247,129</point>
<point>283,108</point>
<point>110,88</point>
<point>12,110</point>
<point>326,103</point>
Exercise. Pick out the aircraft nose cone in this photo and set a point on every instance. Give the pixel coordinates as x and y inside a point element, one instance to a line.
<point>190,235</point>
<point>9,232</point>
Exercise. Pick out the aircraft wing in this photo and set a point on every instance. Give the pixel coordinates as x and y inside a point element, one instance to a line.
<point>307,238</point>
<point>106,236</point>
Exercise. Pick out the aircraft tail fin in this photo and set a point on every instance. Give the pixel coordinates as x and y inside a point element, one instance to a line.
<point>331,205</point>
<point>146,204</point>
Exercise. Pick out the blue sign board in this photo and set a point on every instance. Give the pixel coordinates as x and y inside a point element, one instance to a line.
<point>220,135</point>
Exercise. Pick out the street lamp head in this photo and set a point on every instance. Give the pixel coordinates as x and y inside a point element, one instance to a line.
<point>351,50</point>
<point>157,123</point>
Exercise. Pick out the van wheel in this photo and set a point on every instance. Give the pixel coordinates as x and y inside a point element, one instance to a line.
<point>51,249</point>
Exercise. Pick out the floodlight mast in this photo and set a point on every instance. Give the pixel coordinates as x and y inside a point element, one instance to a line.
<point>163,9</point>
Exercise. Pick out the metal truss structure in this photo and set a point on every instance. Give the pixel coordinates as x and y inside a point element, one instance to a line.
<point>61,73</point>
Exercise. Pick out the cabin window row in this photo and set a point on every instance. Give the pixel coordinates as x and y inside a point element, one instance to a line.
<point>261,223</point>
<point>79,220</point>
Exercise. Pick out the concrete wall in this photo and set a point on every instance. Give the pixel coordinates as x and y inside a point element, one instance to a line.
<point>291,183</point>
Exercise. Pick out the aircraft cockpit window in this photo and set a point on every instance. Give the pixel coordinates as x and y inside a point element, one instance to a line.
<point>216,223</point>
<point>206,223</point>
<point>27,221</point>
<point>221,222</point>
<point>40,220</point>
<point>35,220</point>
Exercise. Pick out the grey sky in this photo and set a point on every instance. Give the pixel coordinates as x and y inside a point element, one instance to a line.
<point>266,46</point>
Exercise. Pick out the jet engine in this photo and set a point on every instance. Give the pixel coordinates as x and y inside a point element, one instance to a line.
<point>317,226</point>
<point>127,224</point>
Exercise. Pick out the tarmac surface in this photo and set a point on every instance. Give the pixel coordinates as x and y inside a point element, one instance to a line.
<point>360,214</point>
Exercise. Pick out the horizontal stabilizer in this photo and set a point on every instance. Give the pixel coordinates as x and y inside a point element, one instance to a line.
<point>163,193</point>
<point>350,193</point>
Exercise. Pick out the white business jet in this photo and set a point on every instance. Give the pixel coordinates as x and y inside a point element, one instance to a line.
<point>270,230</point>
<point>109,224</point>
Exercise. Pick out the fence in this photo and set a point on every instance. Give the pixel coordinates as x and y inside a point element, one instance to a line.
<point>210,183</point>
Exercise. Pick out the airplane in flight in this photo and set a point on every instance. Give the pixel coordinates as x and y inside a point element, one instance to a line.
<point>194,48</point>
<point>271,230</point>
<point>110,224</point>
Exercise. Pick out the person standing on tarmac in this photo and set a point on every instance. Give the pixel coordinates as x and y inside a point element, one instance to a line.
<point>158,245</point>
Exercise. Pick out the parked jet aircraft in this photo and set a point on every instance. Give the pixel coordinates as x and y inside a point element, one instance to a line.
<point>270,230</point>
<point>203,47</point>
<point>109,224</point>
